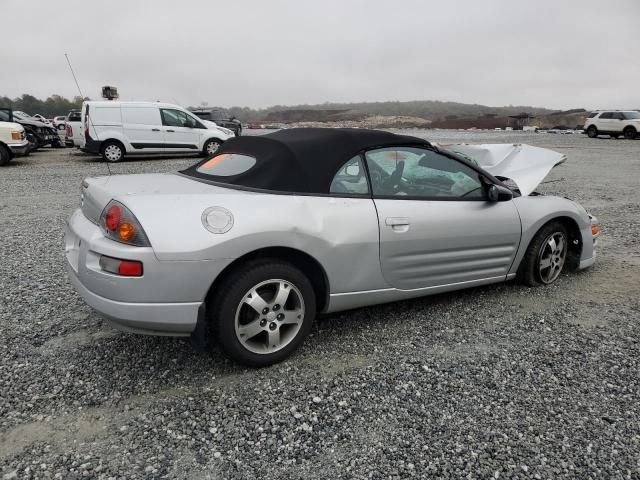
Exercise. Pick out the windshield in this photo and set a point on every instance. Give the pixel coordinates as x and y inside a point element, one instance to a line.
<point>5,115</point>
<point>632,115</point>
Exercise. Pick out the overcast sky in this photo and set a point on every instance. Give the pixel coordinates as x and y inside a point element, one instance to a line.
<point>557,54</point>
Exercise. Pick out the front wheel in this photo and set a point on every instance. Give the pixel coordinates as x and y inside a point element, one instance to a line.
<point>545,258</point>
<point>112,152</point>
<point>630,133</point>
<point>263,312</point>
<point>211,146</point>
<point>5,156</point>
<point>592,131</point>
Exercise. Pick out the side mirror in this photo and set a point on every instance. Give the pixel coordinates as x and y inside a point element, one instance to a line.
<point>498,193</point>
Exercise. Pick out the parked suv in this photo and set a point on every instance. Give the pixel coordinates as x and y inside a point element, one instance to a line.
<point>613,123</point>
<point>220,117</point>
<point>13,140</point>
<point>115,129</point>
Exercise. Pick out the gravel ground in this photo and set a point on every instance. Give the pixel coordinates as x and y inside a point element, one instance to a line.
<point>502,381</point>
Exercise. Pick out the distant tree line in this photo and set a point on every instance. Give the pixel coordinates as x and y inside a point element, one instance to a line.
<point>427,109</point>
<point>53,106</point>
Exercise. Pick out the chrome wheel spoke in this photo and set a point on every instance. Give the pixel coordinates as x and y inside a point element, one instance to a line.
<point>274,339</point>
<point>545,263</point>
<point>255,301</point>
<point>560,245</point>
<point>282,295</point>
<point>552,244</point>
<point>250,330</point>
<point>291,317</point>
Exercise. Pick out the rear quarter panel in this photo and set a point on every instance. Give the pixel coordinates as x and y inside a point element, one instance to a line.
<point>340,233</point>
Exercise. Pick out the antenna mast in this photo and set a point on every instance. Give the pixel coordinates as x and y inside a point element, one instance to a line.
<point>74,75</point>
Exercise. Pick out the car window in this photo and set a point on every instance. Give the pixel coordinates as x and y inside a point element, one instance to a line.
<point>5,116</point>
<point>606,115</point>
<point>178,118</point>
<point>351,178</point>
<point>227,164</point>
<point>632,115</point>
<point>418,172</point>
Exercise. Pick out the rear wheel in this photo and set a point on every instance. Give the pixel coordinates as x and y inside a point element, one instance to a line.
<point>545,258</point>
<point>630,133</point>
<point>112,151</point>
<point>592,131</point>
<point>5,156</point>
<point>263,312</point>
<point>211,146</point>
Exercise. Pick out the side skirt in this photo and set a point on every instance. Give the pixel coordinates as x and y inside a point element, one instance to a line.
<point>349,300</point>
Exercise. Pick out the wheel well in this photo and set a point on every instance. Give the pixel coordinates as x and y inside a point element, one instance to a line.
<point>305,262</point>
<point>112,140</point>
<point>574,249</point>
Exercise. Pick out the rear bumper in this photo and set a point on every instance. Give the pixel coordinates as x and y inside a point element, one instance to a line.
<point>174,319</point>
<point>164,301</point>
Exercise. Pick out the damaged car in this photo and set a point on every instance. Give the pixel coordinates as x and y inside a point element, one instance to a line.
<point>246,247</point>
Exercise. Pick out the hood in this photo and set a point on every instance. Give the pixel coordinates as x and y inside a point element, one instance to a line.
<point>526,165</point>
<point>31,122</point>
<point>12,125</point>
<point>214,126</point>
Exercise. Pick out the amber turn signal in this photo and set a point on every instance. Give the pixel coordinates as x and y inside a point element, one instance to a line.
<point>595,230</point>
<point>126,231</point>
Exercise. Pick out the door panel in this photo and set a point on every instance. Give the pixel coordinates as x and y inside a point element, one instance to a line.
<point>427,243</point>
<point>181,130</point>
<point>143,128</point>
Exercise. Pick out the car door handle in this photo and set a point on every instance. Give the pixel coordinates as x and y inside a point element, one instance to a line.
<point>396,221</point>
<point>397,224</point>
<point>155,129</point>
<point>170,130</point>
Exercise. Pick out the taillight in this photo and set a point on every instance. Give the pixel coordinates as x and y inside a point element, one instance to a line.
<point>69,131</point>
<point>119,224</point>
<point>117,266</point>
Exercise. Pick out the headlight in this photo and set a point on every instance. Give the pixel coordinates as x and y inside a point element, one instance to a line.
<point>226,131</point>
<point>15,135</point>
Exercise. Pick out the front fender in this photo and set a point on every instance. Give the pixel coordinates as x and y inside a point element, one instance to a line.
<point>536,211</point>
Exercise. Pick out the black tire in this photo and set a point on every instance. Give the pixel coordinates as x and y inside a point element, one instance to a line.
<point>112,151</point>
<point>592,131</point>
<point>33,142</point>
<point>210,147</point>
<point>5,156</point>
<point>230,300</point>
<point>630,133</point>
<point>529,272</point>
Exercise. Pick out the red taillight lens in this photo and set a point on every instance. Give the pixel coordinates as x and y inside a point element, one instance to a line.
<point>112,218</point>
<point>69,131</point>
<point>120,224</point>
<point>126,268</point>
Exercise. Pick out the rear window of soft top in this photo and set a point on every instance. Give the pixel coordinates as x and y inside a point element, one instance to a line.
<point>227,165</point>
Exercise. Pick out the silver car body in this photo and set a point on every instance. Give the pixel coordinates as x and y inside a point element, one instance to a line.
<point>371,251</point>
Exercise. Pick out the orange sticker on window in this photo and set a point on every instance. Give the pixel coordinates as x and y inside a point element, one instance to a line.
<point>214,161</point>
<point>395,155</point>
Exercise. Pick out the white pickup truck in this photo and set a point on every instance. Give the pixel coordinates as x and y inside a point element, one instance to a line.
<point>13,140</point>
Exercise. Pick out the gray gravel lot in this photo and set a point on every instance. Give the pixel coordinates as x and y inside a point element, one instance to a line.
<point>501,381</point>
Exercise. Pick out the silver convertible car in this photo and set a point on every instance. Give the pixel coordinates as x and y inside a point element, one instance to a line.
<point>246,247</point>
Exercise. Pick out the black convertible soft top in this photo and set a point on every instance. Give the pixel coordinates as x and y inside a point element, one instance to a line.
<point>299,160</point>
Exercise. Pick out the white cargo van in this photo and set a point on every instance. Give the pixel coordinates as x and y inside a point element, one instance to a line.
<point>116,129</point>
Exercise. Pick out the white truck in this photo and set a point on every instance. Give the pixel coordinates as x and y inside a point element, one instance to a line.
<point>13,140</point>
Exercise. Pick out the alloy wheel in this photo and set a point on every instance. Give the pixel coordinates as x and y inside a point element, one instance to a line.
<point>269,316</point>
<point>212,148</point>
<point>552,256</point>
